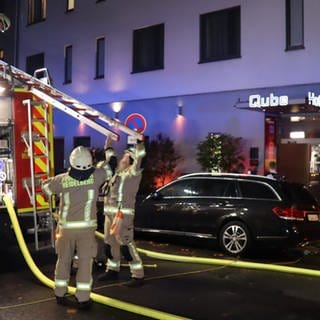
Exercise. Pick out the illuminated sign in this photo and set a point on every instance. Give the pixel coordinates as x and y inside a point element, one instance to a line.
<point>257,101</point>
<point>313,99</point>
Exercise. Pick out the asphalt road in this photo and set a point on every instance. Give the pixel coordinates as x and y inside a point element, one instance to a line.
<point>190,290</point>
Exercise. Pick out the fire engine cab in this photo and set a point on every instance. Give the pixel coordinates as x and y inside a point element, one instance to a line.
<point>26,146</point>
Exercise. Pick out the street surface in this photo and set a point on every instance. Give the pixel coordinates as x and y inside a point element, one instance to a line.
<point>194,291</point>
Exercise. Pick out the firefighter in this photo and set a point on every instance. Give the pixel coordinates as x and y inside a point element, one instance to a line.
<point>77,190</point>
<point>109,164</point>
<point>119,216</point>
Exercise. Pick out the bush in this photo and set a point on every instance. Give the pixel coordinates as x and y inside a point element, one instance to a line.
<point>220,153</point>
<point>160,163</point>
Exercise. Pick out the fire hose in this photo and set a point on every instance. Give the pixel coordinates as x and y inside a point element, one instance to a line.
<point>148,312</point>
<point>152,254</point>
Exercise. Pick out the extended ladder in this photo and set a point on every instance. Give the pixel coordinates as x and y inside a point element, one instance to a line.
<point>75,108</point>
<point>38,143</point>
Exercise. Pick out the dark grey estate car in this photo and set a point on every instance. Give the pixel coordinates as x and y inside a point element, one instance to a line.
<point>238,211</point>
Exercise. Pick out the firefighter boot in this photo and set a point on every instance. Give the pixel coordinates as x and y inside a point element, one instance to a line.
<point>134,282</point>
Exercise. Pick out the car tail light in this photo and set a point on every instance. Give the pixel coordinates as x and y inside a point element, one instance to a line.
<point>289,213</point>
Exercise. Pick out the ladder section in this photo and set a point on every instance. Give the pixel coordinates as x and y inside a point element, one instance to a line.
<point>39,146</point>
<point>75,108</point>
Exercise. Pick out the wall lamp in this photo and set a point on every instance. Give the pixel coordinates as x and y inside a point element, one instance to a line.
<point>116,107</point>
<point>180,108</point>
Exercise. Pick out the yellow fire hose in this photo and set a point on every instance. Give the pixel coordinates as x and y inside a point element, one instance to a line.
<point>148,312</point>
<point>163,256</point>
<point>227,262</point>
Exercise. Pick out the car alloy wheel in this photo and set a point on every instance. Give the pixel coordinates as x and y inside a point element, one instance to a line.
<point>234,238</point>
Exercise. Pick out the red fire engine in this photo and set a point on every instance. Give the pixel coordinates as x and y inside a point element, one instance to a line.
<point>26,144</point>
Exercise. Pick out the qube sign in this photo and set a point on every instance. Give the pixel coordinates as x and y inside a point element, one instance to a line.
<point>257,101</point>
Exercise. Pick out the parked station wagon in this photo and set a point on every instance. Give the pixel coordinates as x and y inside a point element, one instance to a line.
<point>237,211</point>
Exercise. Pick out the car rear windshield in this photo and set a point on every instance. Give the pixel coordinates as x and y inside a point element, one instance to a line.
<point>298,194</point>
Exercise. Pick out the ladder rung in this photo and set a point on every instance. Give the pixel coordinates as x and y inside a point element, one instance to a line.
<point>39,230</point>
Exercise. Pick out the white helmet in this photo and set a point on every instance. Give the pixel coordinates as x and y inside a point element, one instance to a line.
<point>80,158</point>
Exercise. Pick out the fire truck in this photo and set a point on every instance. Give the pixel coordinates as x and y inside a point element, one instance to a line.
<point>26,147</point>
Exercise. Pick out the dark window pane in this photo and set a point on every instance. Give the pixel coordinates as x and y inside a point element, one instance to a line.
<point>68,65</point>
<point>34,62</point>
<point>220,35</point>
<point>179,189</point>
<point>295,24</point>
<point>37,10</point>
<point>210,187</point>
<point>100,58</point>
<point>256,190</point>
<point>148,48</point>
<point>84,141</point>
<point>298,194</point>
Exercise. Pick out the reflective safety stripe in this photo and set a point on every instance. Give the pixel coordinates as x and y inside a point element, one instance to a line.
<point>61,283</point>
<point>134,251</point>
<point>46,189</point>
<point>85,286</point>
<point>110,209</point>
<point>136,266</point>
<point>113,264</point>
<point>120,189</point>
<point>66,205</point>
<point>87,207</point>
<point>77,224</point>
<point>141,153</point>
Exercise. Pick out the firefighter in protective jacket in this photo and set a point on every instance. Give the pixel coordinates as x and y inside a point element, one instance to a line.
<point>77,190</point>
<point>119,218</point>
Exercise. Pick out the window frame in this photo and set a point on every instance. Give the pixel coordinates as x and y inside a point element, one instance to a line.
<point>32,19</point>
<point>204,57</point>
<point>289,46</point>
<point>68,64</point>
<point>98,73</point>
<point>136,42</point>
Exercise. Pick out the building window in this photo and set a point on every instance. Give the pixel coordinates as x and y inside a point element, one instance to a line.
<point>34,62</point>
<point>70,5</point>
<point>2,54</point>
<point>148,48</point>
<point>220,35</point>
<point>37,11</point>
<point>68,64</point>
<point>84,141</point>
<point>100,57</point>
<point>294,25</point>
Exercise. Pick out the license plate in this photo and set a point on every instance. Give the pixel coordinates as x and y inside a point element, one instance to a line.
<point>313,217</point>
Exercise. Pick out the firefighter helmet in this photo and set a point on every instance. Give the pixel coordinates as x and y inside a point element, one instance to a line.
<point>4,22</point>
<point>80,158</point>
